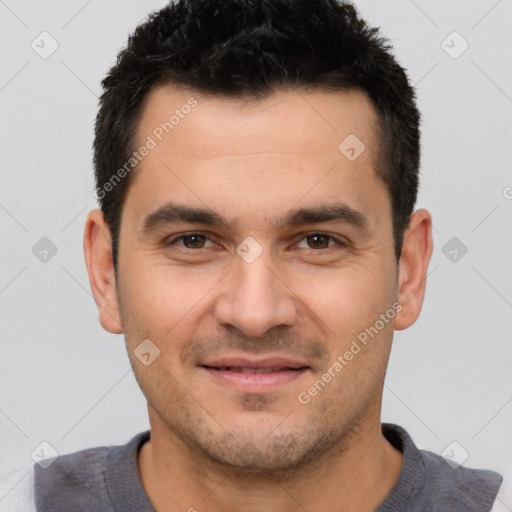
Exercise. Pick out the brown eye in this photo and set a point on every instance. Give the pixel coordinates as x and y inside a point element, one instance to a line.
<point>193,241</point>
<point>318,241</point>
<point>320,244</point>
<point>190,241</point>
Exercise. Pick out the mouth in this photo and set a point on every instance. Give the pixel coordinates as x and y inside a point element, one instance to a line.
<point>245,369</point>
<point>255,376</point>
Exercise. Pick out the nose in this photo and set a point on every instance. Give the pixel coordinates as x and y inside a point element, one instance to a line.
<point>254,298</point>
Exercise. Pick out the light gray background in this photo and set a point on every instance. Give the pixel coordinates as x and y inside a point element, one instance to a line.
<point>66,381</point>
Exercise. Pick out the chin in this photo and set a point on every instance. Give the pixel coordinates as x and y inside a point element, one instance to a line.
<point>253,451</point>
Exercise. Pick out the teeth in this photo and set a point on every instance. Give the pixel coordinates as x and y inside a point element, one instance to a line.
<point>252,370</point>
<point>239,369</point>
<point>266,370</point>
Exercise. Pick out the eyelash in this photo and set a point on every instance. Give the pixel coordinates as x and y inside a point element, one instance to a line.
<point>337,241</point>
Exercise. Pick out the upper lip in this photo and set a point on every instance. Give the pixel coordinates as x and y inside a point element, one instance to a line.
<point>244,362</point>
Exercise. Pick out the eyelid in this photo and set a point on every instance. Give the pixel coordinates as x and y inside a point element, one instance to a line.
<point>175,238</point>
<point>339,241</point>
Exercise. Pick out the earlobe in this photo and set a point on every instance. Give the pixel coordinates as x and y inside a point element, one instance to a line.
<point>100,267</point>
<point>413,266</point>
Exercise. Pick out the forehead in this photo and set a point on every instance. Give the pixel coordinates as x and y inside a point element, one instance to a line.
<point>262,155</point>
<point>316,120</point>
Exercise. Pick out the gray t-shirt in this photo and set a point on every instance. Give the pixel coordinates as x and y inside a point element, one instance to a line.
<point>106,479</point>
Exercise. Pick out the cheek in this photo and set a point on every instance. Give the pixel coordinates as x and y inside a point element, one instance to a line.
<point>163,302</point>
<point>167,302</point>
<point>345,300</point>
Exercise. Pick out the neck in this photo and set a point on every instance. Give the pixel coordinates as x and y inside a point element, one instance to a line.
<point>354,477</point>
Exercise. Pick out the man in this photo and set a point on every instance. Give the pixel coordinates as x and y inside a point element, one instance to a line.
<point>257,169</point>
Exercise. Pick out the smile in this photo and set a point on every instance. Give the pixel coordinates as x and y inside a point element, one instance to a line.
<point>254,380</point>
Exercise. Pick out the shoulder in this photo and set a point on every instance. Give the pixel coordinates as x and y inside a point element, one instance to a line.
<point>456,485</point>
<point>17,491</point>
<point>503,501</point>
<point>75,479</point>
<point>440,482</point>
<point>94,479</point>
<point>61,480</point>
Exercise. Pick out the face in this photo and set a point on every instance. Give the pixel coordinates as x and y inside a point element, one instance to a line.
<point>253,254</point>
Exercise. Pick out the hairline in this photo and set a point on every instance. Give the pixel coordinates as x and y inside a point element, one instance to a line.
<point>244,98</point>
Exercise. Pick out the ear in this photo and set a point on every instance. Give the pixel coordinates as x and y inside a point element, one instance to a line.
<point>413,266</point>
<point>98,258</point>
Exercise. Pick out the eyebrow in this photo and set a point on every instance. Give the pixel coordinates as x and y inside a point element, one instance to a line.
<point>172,213</point>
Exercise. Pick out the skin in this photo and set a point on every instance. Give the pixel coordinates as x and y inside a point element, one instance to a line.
<point>213,447</point>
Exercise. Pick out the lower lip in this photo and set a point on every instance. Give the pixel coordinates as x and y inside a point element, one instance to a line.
<point>255,382</point>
